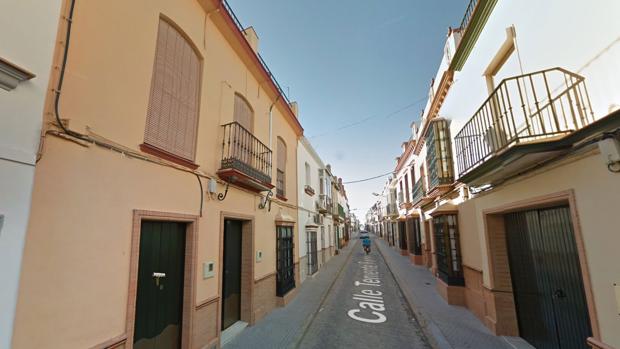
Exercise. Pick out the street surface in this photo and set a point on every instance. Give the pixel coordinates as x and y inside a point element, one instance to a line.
<point>364,309</point>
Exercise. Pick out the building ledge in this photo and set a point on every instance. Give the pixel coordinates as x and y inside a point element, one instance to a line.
<point>522,157</point>
<point>11,75</point>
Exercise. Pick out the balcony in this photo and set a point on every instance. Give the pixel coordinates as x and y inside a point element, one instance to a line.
<point>439,158</point>
<point>419,197</point>
<point>521,124</point>
<point>324,204</point>
<point>246,161</point>
<point>391,210</point>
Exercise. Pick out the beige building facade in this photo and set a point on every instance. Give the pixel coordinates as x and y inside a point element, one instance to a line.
<point>175,166</point>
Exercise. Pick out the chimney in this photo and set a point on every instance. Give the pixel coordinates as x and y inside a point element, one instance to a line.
<point>251,37</point>
<point>295,108</point>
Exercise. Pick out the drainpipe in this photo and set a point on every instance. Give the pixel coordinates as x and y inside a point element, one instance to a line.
<point>271,122</point>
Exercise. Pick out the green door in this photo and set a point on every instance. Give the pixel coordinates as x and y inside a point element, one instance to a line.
<point>159,301</point>
<point>546,277</point>
<point>231,280</point>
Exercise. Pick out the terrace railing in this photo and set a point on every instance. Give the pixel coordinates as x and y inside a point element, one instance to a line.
<point>245,153</point>
<point>532,107</point>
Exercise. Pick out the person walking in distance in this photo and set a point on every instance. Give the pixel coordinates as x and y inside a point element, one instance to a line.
<point>366,244</point>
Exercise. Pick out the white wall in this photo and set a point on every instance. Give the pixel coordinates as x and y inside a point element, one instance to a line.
<point>27,39</point>
<point>306,203</point>
<point>575,35</point>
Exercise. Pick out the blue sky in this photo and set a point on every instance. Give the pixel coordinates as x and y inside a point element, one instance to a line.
<point>344,61</point>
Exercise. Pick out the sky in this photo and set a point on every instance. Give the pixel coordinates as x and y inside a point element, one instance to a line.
<point>366,63</point>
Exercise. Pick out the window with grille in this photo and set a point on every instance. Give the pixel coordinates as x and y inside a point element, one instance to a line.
<point>281,169</point>
<point>172,114</point>
<point>448,249</point>
<point>285,273</point>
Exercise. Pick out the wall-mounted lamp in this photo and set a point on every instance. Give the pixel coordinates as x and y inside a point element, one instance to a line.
<point>212,187</point>
<point>610,151</point>
<point>266,200</point>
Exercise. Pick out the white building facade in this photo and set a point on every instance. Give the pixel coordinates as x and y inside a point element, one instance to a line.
<point>27,42</point>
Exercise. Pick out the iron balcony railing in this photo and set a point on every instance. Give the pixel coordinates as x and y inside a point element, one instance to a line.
<point>469,12</point>
<point>525,108</point>
<point>418,191</point>
<point>244,152</point>
<point>262,61</point>
<point>324,204</point>
<point>391,209</point>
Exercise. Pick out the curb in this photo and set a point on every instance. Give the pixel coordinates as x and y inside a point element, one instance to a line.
<point>309,321</point>
<point>430,329</point>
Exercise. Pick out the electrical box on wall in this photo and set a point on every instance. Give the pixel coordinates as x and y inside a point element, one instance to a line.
<point>259,256</point>
<point>208,270</point>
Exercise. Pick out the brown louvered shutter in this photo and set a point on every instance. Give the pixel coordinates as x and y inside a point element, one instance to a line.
<point>281,168</point>
<point>281,155</point>
<point>172,115</point>
<point>244,114</point>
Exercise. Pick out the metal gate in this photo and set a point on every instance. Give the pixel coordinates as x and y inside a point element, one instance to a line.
<point>312,254</point>
<point>546,278</point>
<point>285,275</point>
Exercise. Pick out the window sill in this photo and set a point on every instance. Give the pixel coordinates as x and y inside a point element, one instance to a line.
<point>149,149</point>
<point>280,197</point>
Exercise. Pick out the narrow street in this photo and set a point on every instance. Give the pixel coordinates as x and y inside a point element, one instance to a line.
<point>339,325</point>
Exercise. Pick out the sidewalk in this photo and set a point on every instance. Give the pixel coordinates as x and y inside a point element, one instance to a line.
<point>284,327</point>
<point>451,327</point>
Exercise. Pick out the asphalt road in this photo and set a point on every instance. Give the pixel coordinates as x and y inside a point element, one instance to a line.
<point>364,309</point>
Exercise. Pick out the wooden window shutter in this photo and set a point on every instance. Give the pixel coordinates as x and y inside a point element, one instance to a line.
<point>172,115</point>
<point>281,155</point>
<point>244,114</point>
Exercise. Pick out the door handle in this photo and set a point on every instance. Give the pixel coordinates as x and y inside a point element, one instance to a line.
<point>159,275</point>
<point>559,294</point>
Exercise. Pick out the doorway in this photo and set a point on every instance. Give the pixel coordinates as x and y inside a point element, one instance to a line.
<point>231,278</point>
<point>159,298</point>
<point>312,252</point>
<point>547,283</point>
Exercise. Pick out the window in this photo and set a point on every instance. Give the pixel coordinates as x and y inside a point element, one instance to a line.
<point>243,114</point>
<point>281,170</point>
<point>406,187</point>
<point>172,114</point>
<point>439,154</point>
<point>285,275</point>
<point>448,249</point>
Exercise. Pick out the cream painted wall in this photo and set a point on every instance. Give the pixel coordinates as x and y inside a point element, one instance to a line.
<point>27,39</point>
<point>596,192</point>
<point>76,261</point>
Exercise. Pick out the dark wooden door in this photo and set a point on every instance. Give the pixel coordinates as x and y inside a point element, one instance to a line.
<point>402,235</point>
<point>231,280</point>
<point>546,277</point>
<point>285,273</point>
<point>159,301</point>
